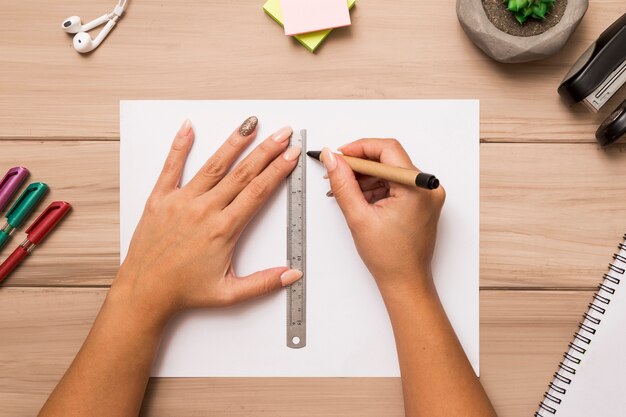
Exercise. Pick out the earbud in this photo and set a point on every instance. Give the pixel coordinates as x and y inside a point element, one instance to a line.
<point>73,24</point>
<point>83,42</point>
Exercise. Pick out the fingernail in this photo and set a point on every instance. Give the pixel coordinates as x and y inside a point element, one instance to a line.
<point>330,193</point>
<point>329,159</point>
<point>290,276</point>
<point>248,126</point>
<point>282,134</point>
<point>185,128</point>
<point>292,153</point>
<point>325,176</point>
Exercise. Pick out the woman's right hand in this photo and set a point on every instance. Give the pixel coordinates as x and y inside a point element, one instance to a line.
<point>394,226</point>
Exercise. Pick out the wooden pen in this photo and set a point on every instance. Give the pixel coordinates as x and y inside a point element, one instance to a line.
<point>398,175</point>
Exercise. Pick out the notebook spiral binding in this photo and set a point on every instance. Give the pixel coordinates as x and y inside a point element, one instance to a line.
<point>572,358</point>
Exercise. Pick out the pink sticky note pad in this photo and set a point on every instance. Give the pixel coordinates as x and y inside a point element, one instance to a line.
<point>303,16</point>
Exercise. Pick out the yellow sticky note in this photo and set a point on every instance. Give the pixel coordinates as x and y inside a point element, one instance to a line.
<point>309,40</point>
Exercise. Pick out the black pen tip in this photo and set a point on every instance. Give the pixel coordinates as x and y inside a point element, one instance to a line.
<point>314,154</point>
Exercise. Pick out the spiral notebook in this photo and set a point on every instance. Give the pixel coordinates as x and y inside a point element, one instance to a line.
<point>591,378</point>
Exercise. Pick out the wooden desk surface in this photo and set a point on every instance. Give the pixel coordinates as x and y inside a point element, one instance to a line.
<point>552,203</point>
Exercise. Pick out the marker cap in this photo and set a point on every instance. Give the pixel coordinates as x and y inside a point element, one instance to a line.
<point>46,221</point>
<point>11,183</point>
<point>26,203</point>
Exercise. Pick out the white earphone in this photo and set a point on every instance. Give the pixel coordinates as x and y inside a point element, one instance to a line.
<point>83,42</point>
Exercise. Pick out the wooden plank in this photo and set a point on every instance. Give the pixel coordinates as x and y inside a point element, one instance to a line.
<point>199,49</point>
<point>523,334</point>
<point>85,248</point>
<point>551,214</point>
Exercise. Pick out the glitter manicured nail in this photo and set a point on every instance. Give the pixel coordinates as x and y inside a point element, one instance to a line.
<point>248,126</point>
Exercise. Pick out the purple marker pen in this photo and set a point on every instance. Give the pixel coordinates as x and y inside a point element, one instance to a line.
<point>11,183</point>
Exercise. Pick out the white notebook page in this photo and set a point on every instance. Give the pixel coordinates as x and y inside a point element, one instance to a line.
<point>598,387</point>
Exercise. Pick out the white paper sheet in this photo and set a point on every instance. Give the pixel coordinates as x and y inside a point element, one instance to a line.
<point>348,330</point>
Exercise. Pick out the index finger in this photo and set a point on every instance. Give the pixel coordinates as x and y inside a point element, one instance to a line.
<point>387,151</point>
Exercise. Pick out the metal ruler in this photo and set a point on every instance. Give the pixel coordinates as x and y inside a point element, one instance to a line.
<point>296,246</point>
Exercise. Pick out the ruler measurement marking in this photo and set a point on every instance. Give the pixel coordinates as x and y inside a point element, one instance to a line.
<point>296,246</point>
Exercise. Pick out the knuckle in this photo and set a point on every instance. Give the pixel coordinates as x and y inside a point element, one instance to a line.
<point>242,174</point>
<point>223,229</point>
<point>170,164</point>
<point>338,187</point>
<point>266,287</point>
<point>259,190</point>
<point>277,169</point>
<point>267,147</point>
<point>219,233</point>
<point>177,146</point>
<point>214,167</point>
<point>233,142</point>
<point>395,143</point>
<point>152,204</point>
<point>176,206</point>
<point>228,297</point>
<point>169,208</point>
<point>441,195</point>
<point>196,211</point>
<point>355,221</point>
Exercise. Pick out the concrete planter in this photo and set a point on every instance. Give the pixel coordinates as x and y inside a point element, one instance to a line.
<point>513,49</point>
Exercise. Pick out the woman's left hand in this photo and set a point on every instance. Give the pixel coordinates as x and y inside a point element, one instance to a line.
<point>181,253</point>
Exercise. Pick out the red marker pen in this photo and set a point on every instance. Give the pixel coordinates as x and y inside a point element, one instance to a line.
<point>34,235</point>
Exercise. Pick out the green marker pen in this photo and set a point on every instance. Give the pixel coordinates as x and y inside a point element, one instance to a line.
<point>20,210</point>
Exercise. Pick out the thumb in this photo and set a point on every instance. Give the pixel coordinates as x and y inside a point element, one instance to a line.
<point>264,282</point>
<point>344,186</point>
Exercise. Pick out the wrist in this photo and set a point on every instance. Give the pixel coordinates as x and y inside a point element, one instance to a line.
<point>408,300</point>
<point>414,284</point>
<point>126,300</point>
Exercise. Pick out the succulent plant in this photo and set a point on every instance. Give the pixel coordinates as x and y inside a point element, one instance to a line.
<point>525,9</point>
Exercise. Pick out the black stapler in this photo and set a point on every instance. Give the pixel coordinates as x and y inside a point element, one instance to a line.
<point>597,75</point>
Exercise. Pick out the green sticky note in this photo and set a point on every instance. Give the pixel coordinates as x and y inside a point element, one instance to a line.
<point>309,40</point>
